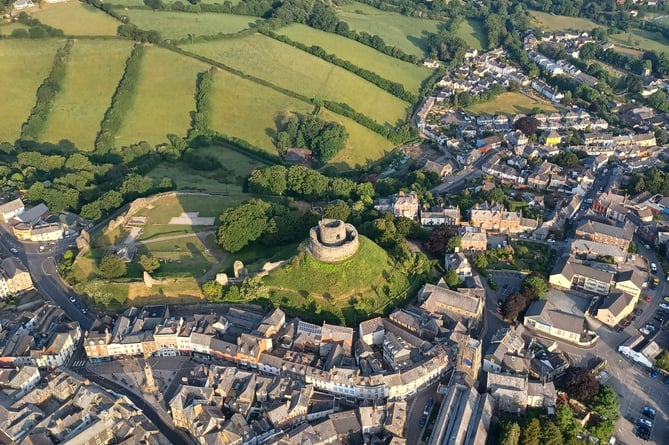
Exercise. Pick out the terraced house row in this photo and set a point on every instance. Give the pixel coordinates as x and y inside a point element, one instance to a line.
<point>391,362</point>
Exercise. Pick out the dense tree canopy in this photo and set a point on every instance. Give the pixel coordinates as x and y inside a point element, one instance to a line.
<point>324,139</point>
<point>112,266</point>
<point>242,224</point>
<point>580,384</point>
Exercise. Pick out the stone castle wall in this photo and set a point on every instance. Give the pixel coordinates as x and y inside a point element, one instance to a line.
<point>332,241</point>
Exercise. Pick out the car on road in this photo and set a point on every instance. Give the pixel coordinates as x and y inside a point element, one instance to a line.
<point>428,406</point>
<point>644,331</point>
<point>664,306</point>
<point>646,246</point>
<point>666,298</point>
<point>653,267</point>
<point>653,373</point>
<point>644,285</point>
<point>13,250</point>
<point>648,412</point>
<point>422,421</point>
<point>72,299</point>
<point>620,329</point>
<point>638,311</point>
<point>656,282</point>
<point>648,298</point>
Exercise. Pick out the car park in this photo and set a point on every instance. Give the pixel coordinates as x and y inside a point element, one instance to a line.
<point>646,422</point>
<point>648,412</point>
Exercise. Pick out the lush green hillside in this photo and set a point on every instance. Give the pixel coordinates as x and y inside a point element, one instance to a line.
<point>178,25</point>
<point>76,19</point>
<point>359,286</point>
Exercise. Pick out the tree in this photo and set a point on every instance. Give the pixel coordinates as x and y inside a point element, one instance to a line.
<point>270,180</point>
<point>537,283</point>
<point>528,125</point>
<point>551,434</point>
<point>510,434</point>
<point>438,238</point>
<point>605,403</point>
<point>513,306</point>
<point>213,290</point>
<point>112,266</point>
<point>481,261</point>
<point>339,210</point>
<point>242,224</point>
<point>451,278</point>
<point>567,160</point>
<point>149,263</point>
<point>91,211</point>
<point>662,361</point>
<point>564,419</point>
<point>531,434</point>
<point>580,384</point>
<point>453,243</point>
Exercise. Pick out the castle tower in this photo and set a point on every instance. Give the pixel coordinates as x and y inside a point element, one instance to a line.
<point>333,240</point>
<point>150,386</point>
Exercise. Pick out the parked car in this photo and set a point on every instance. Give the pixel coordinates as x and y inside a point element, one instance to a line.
<point>653,373</point>
<point>666,298</point>
<point>644,331</point>
<point>653,267</point>
<point>646,422</point>
<point>13,250</point>
<point>648,298</point>
<point>666,379</point>
<point>422,421</point>
<point>648,412</point>
<point>638,311</point>
<point>664,306</point>
<point>656,282</point>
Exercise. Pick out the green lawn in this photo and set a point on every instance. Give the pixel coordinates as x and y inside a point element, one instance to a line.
<point>510,103</point>
<point>550,22</point>
<point>76,19</point>
<point>472,32</point>
<point>184,257</point>
<point>140,3</point>
<point>7,28</point>
<point>26,63</point>
<point>162,210</point>
<point>93,71</point>
<point>361,55</point>
<point>250,111</point>
<point>641,40</point>
<point>178,25</point>
<point>407,33</point>
<point>186,178</point>
<point>164,100</point>
<point>298,71</point>
<point>364,146</point>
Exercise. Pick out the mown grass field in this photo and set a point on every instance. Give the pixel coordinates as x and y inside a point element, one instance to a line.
<point>471,31</point>
<point>298,71</point>
<point>364,146</point>
<point>250,111</point>
<point>7,28</point>
<point>361,55</point>
<point>24,64</point>
<point>178,25</point>
<point>510,103</point>
<point>407,33</point>
<point>140,3</point>
<point>641,40</point>
<point>183,257</point>
<point>549,22</point>
<point>93,71</point>
<point>76,19</point>
<point>164,99</point>
<point>161,211</point>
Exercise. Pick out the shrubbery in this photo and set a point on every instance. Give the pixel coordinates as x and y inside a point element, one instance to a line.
<point>46,93</point>
<point>121,101</point>
<point>203,93</point>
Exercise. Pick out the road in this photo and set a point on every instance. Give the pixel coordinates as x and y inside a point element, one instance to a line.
<point>463,175</point>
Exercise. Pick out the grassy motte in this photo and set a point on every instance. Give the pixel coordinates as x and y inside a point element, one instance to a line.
<point>354,289</point>
<point>298,71</point>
